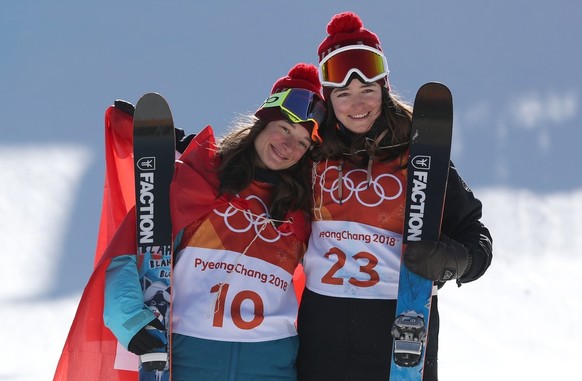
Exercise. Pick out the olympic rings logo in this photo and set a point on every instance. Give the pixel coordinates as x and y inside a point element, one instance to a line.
<point>258,222</point>
<point>352,189</point>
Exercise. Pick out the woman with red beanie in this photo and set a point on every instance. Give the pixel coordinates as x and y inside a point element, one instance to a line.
<point>359,179</point>
<point>240,209</point>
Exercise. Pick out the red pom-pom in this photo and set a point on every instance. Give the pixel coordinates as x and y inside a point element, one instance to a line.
<point>307,72</point>
<point>346,22</point>
<point>302,76</point>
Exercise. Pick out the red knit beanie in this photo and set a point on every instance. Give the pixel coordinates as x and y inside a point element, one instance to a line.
<point>301,76</point>
<point>347,29</point>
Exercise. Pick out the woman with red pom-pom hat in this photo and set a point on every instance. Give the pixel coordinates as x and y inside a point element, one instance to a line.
<point>240,210</point>
<point>349,303</point>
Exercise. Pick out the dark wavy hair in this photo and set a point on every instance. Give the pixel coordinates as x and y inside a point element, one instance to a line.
<point>340,143</point>
<point>291,192</point>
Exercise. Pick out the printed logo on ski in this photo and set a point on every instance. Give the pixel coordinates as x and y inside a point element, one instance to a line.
<point>421,162</point>
<point>145,202</point>
<point>147,163</point>
<point>418,196</point>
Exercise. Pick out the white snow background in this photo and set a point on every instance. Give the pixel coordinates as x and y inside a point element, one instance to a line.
<point>519,321</point>
<point>513,68</point>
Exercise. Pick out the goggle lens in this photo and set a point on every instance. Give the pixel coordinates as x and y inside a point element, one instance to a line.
<point>298,105</point>
<point>336,68</point>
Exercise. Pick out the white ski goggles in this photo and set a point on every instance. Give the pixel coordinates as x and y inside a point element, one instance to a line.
<point>337,67</point>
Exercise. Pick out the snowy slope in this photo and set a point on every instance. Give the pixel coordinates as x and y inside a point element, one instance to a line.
<point>517,322</point>
<point>520,320</point>
<point>36,201</point>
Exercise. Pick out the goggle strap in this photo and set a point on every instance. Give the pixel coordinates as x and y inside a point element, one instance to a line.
<point>315,133</point>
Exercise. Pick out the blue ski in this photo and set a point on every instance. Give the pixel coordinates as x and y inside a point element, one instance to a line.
<point>428,166</point>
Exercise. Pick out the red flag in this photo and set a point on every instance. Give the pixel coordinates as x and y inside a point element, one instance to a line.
<point>118,191</point>
<point>299,282</point>
<point>90,350</point>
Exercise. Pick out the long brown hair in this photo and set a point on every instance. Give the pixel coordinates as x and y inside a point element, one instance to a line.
<point>291,192</point>
<point>340,143</point>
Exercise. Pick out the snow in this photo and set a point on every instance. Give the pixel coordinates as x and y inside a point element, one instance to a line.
<point>519,321</point>
<point>36,198</point>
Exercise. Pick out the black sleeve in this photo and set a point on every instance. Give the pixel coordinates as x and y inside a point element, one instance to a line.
<point>461,222</point>
<point>124,106</point>
<point>182,140</point>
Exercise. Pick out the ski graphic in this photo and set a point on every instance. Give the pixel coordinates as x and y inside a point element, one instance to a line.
<point>154,155</point>
<point>427,173</point>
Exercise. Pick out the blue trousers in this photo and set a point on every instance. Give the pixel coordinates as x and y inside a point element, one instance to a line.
<point>210,360</point>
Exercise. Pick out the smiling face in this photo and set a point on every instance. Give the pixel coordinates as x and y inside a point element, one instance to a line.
<point>358,105</point>
<point>281,144</point>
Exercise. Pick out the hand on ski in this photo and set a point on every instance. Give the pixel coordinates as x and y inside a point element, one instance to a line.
<point>144,342</point>
<point>438,261</point>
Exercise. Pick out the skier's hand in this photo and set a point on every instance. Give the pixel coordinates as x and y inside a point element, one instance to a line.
<point>438,261</point>
<point>143,342</point>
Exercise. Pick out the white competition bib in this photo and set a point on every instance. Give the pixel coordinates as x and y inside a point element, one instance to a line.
<point>353,260</point>
<point>224,295</point>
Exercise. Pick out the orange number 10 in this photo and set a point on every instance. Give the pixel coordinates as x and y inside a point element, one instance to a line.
<point>235,308</point>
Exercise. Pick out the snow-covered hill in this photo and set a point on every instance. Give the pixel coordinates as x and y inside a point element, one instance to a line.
<point>517,322</point>
<point>520,320</point>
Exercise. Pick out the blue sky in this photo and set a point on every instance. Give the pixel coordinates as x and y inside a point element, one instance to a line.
<point>513,68</point>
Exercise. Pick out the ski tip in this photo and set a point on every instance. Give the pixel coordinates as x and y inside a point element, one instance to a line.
<point>435,88</point>
<point>149,98</point>
<point>152,106</point>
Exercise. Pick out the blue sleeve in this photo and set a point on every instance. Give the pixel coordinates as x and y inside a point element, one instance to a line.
<point>124,312</point>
